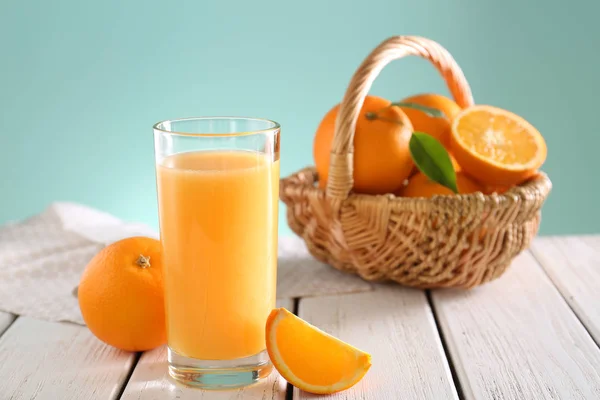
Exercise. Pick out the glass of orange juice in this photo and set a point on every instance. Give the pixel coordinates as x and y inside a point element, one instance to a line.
<point>218,187</point>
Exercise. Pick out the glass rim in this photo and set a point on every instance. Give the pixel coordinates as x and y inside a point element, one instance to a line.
<point>159,126</point>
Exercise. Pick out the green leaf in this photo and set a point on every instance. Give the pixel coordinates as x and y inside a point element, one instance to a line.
<point>430,111</point>
<point>433,160</point>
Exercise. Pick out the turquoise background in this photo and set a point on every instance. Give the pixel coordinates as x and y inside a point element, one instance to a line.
<point>82,83</point>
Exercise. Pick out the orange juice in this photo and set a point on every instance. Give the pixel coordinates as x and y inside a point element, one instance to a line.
<point>218,224</point>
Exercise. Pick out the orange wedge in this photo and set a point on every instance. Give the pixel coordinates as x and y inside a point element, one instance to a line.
<point>496,146</point>
<point>311,359</point>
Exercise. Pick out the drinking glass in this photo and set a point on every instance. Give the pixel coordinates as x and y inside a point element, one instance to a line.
<point>218,185</point>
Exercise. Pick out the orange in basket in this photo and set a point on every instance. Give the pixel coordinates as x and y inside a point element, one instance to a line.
<point>439,128</point>
<point>420,185</point>
<point>382,159</point>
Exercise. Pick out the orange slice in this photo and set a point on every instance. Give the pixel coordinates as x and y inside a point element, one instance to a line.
<point>496,146</point>
<point>311,359</point>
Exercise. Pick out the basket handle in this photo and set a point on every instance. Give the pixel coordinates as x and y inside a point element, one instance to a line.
<point>340,179</point>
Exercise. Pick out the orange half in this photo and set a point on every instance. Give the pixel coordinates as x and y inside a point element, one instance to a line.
<point>311,359</point>
<point>496,146</point>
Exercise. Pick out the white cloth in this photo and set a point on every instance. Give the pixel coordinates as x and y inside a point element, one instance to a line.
<point>42,258</point>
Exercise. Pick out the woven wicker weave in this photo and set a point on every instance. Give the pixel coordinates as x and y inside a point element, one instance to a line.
<point>445,241</point>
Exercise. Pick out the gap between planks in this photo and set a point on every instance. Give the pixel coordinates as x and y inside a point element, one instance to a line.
<point>134,364</point>
<point>6,320</point>
<point>289,390</point>
<point>440,331</point>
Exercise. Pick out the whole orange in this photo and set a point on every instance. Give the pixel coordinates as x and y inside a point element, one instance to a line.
<point>437,127</point>
<point>121,295</point>
<point>421,186</point>
<point>382,160</point>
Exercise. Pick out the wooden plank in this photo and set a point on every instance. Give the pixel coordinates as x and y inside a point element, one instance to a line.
<point>49,360</point>
<point>5,320</point>
<point>573,265</point>
<point>516,338</point>
<point>150,381</point>
<point>299,274</point>
<point>396,326</point>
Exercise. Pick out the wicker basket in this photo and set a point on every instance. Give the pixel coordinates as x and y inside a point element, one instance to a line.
<point>446,241</point>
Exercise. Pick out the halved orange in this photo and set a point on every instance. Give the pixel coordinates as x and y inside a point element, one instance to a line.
<point>311,359</point>
<point>495,146</point>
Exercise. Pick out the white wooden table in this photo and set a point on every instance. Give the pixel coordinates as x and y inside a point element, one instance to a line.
<point>532,334</point>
